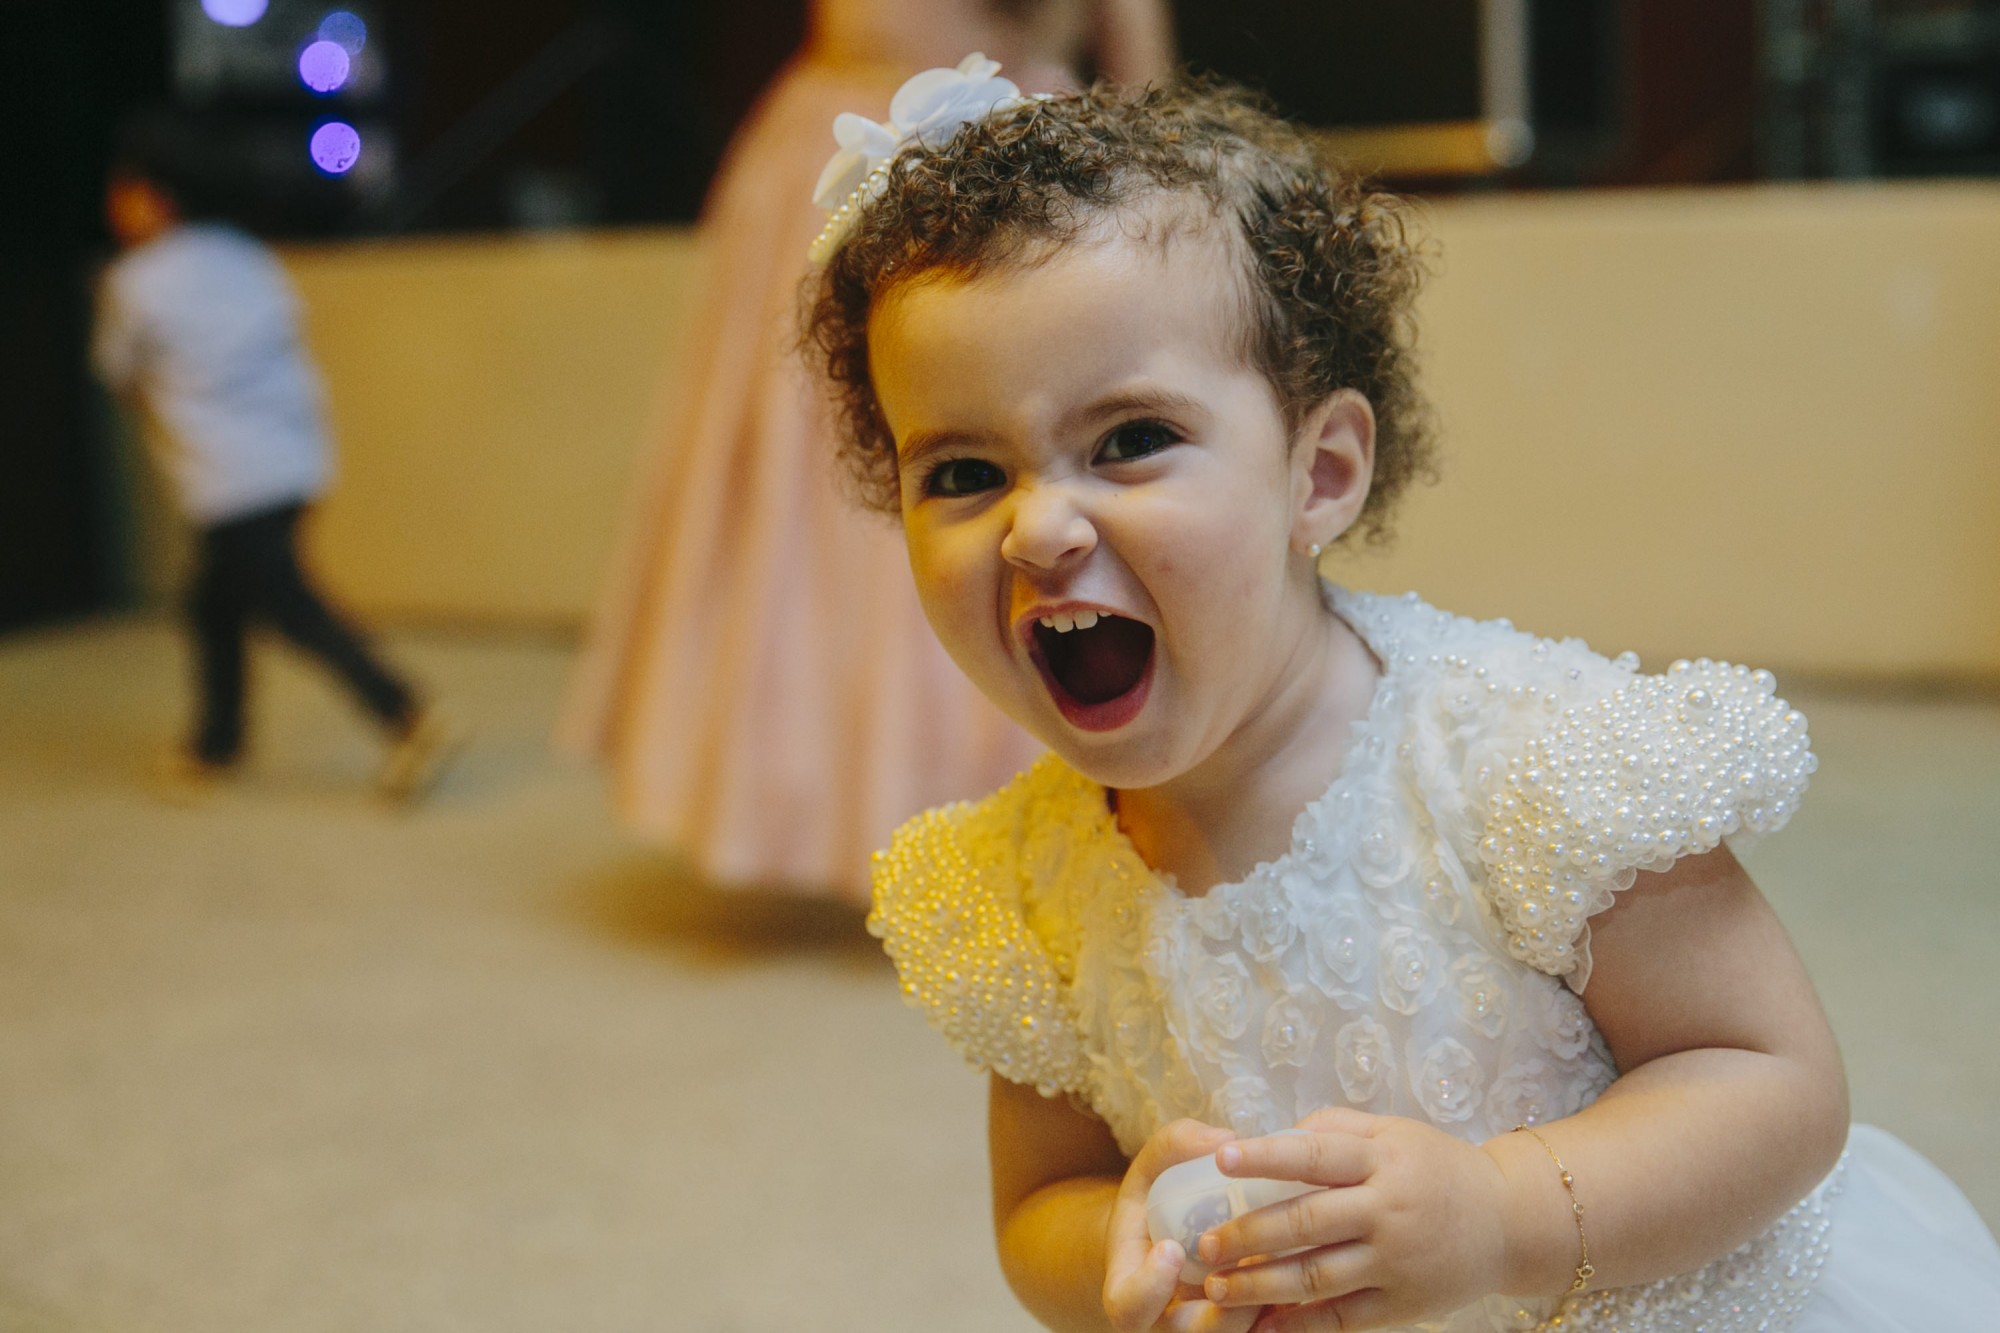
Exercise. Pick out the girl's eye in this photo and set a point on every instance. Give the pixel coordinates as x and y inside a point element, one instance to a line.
<point>962,476</point>
<point>1136,440</point>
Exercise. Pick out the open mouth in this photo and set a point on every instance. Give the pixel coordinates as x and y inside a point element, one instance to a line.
<point>1097,667</point>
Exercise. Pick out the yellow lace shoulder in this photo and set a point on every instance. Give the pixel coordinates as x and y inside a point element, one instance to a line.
<point>951,907</point>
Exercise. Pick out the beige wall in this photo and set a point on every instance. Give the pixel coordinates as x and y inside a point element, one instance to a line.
<point>1754,424</point>
<point>488,397</point>
<point>1757,424</point>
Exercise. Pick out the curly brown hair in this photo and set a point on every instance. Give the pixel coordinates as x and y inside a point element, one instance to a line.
<point>1330,268</point>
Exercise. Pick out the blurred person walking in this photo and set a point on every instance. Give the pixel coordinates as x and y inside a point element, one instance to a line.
<point>758,676</point>
<point>198,324</point>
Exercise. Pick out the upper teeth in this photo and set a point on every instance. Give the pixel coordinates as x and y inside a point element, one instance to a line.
<point>1063,624</point>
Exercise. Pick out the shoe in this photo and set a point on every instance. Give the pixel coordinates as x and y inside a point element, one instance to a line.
<point>420,756</point>
<point>182,777</point>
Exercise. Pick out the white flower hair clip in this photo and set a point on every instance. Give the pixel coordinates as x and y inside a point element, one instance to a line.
<point>927,111</point>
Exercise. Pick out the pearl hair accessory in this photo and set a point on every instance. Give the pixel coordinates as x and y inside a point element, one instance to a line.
<point>927,110</point>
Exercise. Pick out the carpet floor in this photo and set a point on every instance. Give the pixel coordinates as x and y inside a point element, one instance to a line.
<point>287,1061</point>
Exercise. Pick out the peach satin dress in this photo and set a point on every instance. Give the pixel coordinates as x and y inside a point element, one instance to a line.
<point>759,677</point>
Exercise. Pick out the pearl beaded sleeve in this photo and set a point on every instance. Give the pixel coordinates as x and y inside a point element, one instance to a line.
<point>948,909</point>
<point>1664,767</point>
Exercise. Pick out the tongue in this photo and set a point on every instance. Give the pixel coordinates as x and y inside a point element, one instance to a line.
<point>1101,662</point>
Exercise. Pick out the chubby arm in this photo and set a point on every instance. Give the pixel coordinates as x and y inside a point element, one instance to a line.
<point>1731,1105</point>
<point>1069,1214</point>
<point>1055,1176</point>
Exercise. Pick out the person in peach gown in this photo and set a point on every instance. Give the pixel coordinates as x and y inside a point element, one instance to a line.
<point>758,676</point>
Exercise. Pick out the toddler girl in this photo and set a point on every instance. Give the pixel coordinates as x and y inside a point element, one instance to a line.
<point>1455,900</point>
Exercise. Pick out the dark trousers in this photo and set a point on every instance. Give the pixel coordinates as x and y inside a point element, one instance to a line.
<point>249,567</point>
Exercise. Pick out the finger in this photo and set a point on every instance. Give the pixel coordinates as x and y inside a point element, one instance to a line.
<point>1323,1217</point>
<point>1136,1294</point>
<point>1181,1141</point>
<point>1323,1274</point>
<point>1340,1120</point>
<point>1127,1244</point>
<point>1323,1157</point>
<point>1200,1316</point>
<point>1349,1314</point>
<point>1126,1236</point>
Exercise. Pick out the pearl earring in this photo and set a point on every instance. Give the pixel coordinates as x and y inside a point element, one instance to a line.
<point>1314,550</point>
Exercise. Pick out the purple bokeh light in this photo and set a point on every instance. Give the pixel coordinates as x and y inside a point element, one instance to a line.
<point>345,30</point>
<point>235,13</point>
<point>336,147</point>
<point>323,66</point>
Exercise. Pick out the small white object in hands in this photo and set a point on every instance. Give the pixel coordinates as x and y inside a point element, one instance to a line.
<point>926,110</point>
<point>1189,1198</point>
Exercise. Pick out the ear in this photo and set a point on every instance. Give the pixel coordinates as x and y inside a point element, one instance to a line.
<point>1332,466</point>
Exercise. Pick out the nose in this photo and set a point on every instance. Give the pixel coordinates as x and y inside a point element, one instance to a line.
<point>1047,530</point>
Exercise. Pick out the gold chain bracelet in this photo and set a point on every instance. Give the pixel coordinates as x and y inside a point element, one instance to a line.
<point>1584,1269</point>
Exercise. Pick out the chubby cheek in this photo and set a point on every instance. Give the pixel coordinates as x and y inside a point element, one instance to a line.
<point>956,586</point>
<point>1213,582</point>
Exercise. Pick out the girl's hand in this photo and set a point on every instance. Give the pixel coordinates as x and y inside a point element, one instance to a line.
<point>1410,1226</point>
<point>1142,1286</point>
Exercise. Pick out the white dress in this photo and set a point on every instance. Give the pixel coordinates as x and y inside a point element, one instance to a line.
<point>1418,951</point>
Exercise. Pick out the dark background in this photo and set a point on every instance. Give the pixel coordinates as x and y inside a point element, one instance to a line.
<point>501,114</point>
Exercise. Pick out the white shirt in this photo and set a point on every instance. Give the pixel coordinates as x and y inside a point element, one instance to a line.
<point>202,323</point>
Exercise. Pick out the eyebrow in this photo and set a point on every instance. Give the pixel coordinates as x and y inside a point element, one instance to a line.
<point>1158,399</point>
<point>921,443</point>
